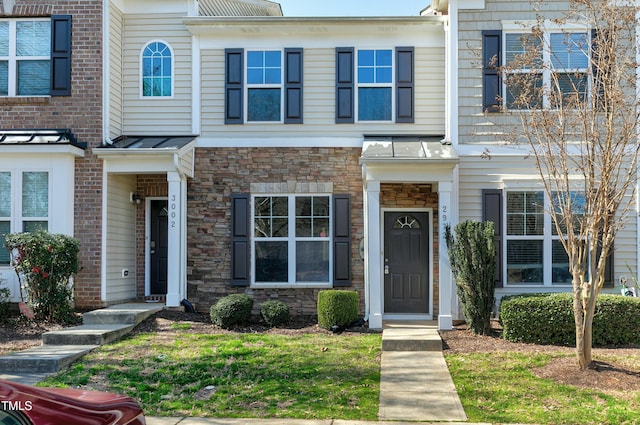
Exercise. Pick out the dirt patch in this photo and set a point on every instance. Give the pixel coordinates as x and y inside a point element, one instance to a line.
<point>18,333</point>
<point>617,370</point>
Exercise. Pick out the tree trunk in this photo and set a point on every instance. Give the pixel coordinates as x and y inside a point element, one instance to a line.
<point>583,315</point>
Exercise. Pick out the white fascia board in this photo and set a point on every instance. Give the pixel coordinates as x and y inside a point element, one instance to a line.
<point>181,7</point>
<point>470,4</point>
<point>48,150</point>
<point>426,172</point>
<point>280,142</point>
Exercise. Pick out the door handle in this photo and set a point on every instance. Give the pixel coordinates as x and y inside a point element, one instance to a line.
<point>386,269</point>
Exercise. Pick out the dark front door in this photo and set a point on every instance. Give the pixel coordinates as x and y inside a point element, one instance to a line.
<point>406,262</point>
<point>158,243</point>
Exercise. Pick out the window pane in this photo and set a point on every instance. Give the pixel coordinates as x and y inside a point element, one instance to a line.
<point>525,213</point>
<point>577,206</point>
<point>312,216</point>
<point>34,226</point>
<point>255,76</point>
<point>271,261</point>
<point>524,261</point>
<point>5,229</point>
<point>4,78</point>
<point>560,264</point>
<point>523,51</point>
<point>255,59</point>
<point>35,194</point>
<point>569,51</point>
<point>366,75</point>
<point>312,261</point>
<point>383,58</point>
<point>272,76</point>
<point>33,38</point>
<point>271,217</point>
<point>5,195</point>
<point>572,89</point>
<point>33,78</point>
<point>272,59</point>
<point>374,104</point>
<point>264,105</point>
<point>366,58</point>
<point>383,75</point>
<point>4,38</point>
<point>524,91</point>
<point>157,70</point>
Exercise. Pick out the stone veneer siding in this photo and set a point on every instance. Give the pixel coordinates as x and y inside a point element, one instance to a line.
<point>82,113</point>
<point>405,195</point>
<point>220,172</point>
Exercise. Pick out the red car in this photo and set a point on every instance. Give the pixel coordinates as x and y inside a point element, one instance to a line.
<point>26,405</point>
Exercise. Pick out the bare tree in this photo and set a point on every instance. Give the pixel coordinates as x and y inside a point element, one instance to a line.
<point>572,81</point>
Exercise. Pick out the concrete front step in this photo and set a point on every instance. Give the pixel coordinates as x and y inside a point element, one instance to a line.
<point>411,339</point>
<point>43,359</point>
<point>86,335</point>
<point>121,314</point>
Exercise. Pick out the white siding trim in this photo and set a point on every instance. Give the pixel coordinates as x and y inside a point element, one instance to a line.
<point>279,142</point>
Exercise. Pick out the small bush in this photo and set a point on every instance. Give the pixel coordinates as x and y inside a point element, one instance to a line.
<point>234,309</point>
<point>337,308</point>
<point>548,319</point>
<point>5,303</point>
<point>274,313</point>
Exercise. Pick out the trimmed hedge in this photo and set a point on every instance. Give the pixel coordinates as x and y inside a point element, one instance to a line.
<point>548,319</point>
<point>234,309</point>
<point>337,308</point>
<point>274,313</point>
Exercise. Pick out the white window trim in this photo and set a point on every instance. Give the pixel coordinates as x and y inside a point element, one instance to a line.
<point>173,74</point>
<point>390,85</point>
<point>548,29</point>
<point>291,239</point>
<point>248,86</point>
<point>547,241</point>
<point>12,58</point>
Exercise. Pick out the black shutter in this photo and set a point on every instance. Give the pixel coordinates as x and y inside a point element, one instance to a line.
<point>491,63</point>
<point>233,86</point>
<point>293,86</point>
<point>341,240</point>
<point>404,85</point>
<point>609,281</point>
<point>492,211</point>
<point>344,85</point>
<point>60,55</point>
<point>240,212</point>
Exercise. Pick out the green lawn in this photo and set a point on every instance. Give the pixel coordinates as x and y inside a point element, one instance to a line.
<point>500,388</point>
<point>313,376</point>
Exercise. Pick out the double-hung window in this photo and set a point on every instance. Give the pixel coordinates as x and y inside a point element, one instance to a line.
<point>546,70</point>
<point>291,240</point>
<point>25,57</point>
<point>24,204</point>
<point>534,252</point>
<point>157,70</point>
<point>375,85</point>
<point>264,85</point>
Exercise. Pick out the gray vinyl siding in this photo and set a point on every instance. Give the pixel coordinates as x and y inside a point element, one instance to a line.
<point>115,71</point>
<point>121,247</point>
<point>156,116</point>
<point>319,99</point>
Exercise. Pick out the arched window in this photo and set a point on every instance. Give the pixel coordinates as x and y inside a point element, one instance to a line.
<point>157,70</point>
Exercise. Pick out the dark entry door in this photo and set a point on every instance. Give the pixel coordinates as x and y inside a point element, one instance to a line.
<point>158,244</point>
<point>406,262</point>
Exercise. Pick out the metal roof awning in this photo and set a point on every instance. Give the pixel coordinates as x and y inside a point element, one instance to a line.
<point>39,137</point>
<point>149,142</point>
<point>415,149</point>
<point>149,154</point>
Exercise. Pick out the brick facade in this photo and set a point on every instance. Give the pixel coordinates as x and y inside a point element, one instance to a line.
<point>223,171</point>
<point>82,113</point>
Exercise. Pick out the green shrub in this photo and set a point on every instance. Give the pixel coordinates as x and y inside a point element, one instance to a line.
<point>274,313</point>
<point>5,303</point>
<point>472,255</point>
<point>45,263</point>
<point>337,308</point>
<point>548,319</point>
<point>234,309</point>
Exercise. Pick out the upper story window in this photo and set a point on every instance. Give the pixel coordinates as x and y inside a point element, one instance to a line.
<point>546,71</point>
<point>24,204</point>
<point>264,85</point>
<point>375,85</point>
<point>25,57</point>
<point>532,70</point>
<point>157,70</point>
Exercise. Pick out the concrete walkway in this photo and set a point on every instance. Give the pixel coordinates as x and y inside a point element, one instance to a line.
<point>415,384</point>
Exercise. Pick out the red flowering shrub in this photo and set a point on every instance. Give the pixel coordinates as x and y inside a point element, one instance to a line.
<point>45,263</point>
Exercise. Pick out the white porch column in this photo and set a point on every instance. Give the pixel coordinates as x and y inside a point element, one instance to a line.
<point>373,253</point>
<point>446,283</point>
<point>175,243</point>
